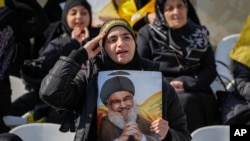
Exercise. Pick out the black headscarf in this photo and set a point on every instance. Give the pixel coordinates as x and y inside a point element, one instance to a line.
<point>191,14</point>
<point>109,64</point>
<point>186,41</point>
<point>68,5</point>
<point>159,7</point>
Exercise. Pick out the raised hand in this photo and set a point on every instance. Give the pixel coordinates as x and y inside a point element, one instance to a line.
<point>92,47</point>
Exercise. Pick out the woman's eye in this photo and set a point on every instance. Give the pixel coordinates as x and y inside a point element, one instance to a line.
<point>168,9</point>
<point>112,40</point>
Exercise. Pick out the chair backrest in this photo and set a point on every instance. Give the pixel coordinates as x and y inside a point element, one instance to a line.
<point>212,133</point>
<point>223,62</point>
<point>42,132</point>
<point>17,86</point>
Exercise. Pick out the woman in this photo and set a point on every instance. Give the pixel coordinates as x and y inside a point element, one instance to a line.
<point>186,59</point>
<point>16,28</point>
<point>67,86</point>
<point>235,107</point>
<point>76,23</point>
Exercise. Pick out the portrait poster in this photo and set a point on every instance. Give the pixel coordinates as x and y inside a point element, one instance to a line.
<point>145,89</point>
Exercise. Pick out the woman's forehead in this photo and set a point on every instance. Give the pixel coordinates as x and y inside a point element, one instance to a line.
<point>118,30</point>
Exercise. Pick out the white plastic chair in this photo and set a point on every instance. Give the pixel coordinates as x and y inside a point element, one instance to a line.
<point>212,133</point>
<point>42,132</point>
<point>18,89</point>
<point>17,86</point>
<point>223,62</point>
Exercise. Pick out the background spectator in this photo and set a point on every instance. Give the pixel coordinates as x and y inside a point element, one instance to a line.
<point>186,59</point>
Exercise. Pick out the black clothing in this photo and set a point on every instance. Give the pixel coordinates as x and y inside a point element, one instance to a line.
<point>191,13</point>
<point>242,80</point>
<point>235,106</point>
<point>179,56</point>
<point>68,5</point>
<point>9,137</point>
<point>53,10</point>
<point>61,45</point>
<point>67,86</point>
<point>184,54</point>
<point>16,27</point>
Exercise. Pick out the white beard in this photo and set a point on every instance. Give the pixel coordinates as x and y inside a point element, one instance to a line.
<point>120,121</point>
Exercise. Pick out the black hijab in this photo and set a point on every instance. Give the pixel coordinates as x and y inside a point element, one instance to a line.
<point>108,63</point>
<point>186,41</point>
<point>68,5</point>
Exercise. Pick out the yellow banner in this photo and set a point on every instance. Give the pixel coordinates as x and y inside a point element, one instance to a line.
<point>241,49</point>
<point>2,3</point>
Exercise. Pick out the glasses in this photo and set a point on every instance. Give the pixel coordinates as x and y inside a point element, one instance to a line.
<point>126,100</point>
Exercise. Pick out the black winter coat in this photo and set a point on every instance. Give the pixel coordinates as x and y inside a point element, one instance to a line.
<point>242,80</point>
<point>67,86</point>
<point>62,46</point>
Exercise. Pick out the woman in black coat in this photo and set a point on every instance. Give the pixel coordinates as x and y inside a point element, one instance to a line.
<point>69,87</point>
<point>186,59</point>
<point>76,24</point>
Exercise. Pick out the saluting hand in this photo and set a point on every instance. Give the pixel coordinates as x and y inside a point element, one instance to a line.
<point>92,47</point>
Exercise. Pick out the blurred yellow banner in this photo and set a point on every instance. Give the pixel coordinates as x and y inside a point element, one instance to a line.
<point>2,3</point>
<point>241,50</point>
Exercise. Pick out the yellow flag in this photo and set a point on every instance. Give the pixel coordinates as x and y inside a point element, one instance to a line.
<point>2,3</point>
<point>241,49</point>
<point>127,10</point>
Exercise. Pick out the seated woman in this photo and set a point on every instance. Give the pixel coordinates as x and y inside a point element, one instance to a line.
<point>235,108</point>
<point>186,59</point>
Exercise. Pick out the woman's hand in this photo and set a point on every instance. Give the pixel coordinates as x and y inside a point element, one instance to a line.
<point>151,18</point>
<point>177,85</point>
<point>80,34</point>
<point>92,47</point>
<point>160,127</point>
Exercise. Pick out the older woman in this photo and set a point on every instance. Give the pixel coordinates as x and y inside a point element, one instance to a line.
<point>186,59</point>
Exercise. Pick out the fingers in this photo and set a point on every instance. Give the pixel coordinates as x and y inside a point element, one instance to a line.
<point>131,130</point>
<point>86,32</point>
<point>80,33</point>
<point>92,46</point>
<point>98,38</point>
<point>160,127</point>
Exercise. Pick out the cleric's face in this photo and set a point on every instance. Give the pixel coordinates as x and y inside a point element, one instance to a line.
<point>121,102</point>
<point>121,108</point>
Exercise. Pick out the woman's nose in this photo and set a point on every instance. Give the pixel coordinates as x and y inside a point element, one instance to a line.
<point>119,41</point>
